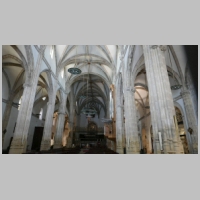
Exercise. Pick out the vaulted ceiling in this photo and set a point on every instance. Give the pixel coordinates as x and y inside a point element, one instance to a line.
<point>91,87</point>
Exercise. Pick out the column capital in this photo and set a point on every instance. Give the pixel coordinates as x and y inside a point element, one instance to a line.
<point>61,113</point>
<point>162,47</point>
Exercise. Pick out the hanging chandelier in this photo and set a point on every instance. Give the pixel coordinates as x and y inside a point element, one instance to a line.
<point>88,111</point>
<point>74,70</point>
<point>175,86</point>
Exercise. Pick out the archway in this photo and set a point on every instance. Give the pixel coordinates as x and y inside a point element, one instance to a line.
<point>14,75</point>
<point>181,129</point>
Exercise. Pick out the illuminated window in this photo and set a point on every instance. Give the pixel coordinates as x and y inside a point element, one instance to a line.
<point>62,73</point>
<point>41,112</point>
<point>51,51</point>
<point>20,101</point>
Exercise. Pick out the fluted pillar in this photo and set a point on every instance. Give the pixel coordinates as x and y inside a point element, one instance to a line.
<point>6,116</point>
<point>46,138</point>
<point>161,101</point>
<point>119,120</point>
<point>132,138</point>
<point>59,131</point>
<point>19,142</point>
<point>7,112</point>
<point>190,114</point>
<point>60,124</point>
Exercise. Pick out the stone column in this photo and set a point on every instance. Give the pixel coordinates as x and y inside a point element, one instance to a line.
<point>6,116</point>
<point>124,132</point>
<point>71,119</point>
<point>143,137</point>
<point>148,140</point>
<point>46,138</point>
<point>60,124</point>
<point>7,112</point>
<point>132,138</point>
<point>59,131</point>
<point>19,142</point>
<point>190,114</point>
<point>119,120</point>
<point>114,111</point>
<point>161,101</point>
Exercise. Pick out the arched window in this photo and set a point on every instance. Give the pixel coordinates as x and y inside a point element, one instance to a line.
<point>52,51</point>
<point>20,101</point>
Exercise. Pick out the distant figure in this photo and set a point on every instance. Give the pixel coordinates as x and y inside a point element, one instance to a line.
<point>73,145</point>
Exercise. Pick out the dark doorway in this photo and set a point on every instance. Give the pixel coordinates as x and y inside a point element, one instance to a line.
<point>37,138</point>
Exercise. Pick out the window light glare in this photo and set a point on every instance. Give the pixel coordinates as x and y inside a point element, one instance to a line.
<point>41,112</point>
<point>20,101</point>
<point>51,51</point>
<point>62,73</point>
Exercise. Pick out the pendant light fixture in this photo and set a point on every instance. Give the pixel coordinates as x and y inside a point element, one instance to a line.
<point>74,70</point>
<point>174,86</point>
<point>89,112</point>
<point>83,96</point>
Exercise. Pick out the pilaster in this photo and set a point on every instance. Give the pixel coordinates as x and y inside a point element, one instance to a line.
<point>19,142</point>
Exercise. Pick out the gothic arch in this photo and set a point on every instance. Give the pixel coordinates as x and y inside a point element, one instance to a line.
<point>73,80</point>
<point>185,123</point>
<point>50,88</point>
